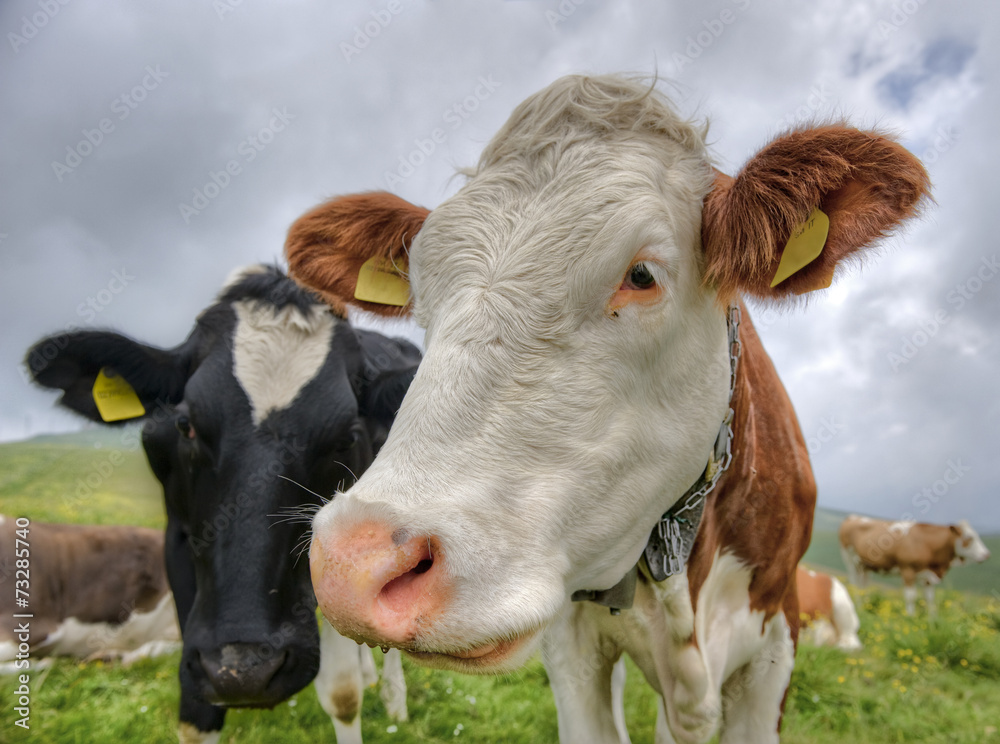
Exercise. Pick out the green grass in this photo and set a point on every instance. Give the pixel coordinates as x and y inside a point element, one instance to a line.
<point>98,476</point>
<point>916,680</point>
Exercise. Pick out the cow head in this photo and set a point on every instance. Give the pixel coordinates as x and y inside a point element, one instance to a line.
<point>577,367</point>
<point>969,546</point>
<point>271,401</point>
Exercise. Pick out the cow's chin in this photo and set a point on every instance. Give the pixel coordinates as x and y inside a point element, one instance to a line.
<point>491,658</point>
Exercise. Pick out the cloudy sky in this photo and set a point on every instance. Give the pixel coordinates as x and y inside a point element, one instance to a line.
<point>121,118</point>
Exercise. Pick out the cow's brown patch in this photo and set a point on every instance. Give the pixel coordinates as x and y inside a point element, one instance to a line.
<point>326,246</point>
<point>866,183</point>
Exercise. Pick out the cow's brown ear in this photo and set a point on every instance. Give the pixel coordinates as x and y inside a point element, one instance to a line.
<point>864,182</point>
<point>327,247</point>
<point>955,529</point>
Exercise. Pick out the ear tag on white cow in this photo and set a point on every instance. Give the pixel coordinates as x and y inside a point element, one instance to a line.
<point>382,281</point>
<point>115,398</point>
<point>804,246</point>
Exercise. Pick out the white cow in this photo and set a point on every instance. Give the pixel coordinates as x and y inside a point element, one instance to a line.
<point>587,377</point>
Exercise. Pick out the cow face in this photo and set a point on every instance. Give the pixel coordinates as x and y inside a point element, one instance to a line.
<point>969,547</point>
<point>270,402</point>
<point>577,369</point>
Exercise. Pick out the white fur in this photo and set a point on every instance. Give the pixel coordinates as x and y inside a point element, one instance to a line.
<point>275,354</point>
<point>188,734</point>
<point>540,429</point>
<point>734,678</point>
<point>976,551</point>
<point>136,638</point>
<point>345,669</point>
<point>845,617</point>
<point>901,528</point>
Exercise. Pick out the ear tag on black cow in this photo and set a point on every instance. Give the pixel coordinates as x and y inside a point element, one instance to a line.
<point>382,281</point>
<point>803,247</point>
<point>115,398</point>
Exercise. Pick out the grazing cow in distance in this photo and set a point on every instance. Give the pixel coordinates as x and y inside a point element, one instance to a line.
<point>94,591</point>
<point>827,611</point>
<point>920,553</point>
<point>587,380</point>
<point>271,401</point>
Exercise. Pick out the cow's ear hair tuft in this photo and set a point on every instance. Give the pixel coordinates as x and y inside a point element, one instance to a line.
<point>327,246</point>
<point>864,182</point>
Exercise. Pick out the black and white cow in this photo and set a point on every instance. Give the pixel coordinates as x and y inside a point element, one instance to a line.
<point>271,400</point>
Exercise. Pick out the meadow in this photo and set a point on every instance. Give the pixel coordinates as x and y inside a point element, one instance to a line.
<point>916,680</point>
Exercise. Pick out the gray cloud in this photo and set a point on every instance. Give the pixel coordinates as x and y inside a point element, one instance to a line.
<point>185,90</point>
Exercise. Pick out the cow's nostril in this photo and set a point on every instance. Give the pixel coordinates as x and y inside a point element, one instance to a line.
<point>399,592</point>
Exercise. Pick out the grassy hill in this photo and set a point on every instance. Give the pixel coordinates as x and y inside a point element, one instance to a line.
<point>916,680</point>
<point>96,476</point>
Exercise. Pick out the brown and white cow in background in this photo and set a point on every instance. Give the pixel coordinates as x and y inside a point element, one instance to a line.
<point>96,591</point>
<point>574,294</point>
<point>920,553</point>
<point>826,610</point>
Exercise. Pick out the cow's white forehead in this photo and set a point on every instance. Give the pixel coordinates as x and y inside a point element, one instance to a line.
<point>277,352</point>
<point>546,252</point>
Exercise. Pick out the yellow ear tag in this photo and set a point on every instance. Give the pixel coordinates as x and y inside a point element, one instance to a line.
<point>381,281</point>
<point>115,398</point>
<point>804,246</point>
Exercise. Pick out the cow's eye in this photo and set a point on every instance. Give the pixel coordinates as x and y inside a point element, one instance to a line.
<point>639,277</point>
<point>183,424</point>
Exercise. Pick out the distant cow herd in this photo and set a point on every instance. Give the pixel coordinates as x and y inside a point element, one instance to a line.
<point>593,457</point>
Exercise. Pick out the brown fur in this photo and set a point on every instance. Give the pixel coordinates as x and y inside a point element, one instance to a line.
<point>880,549</point>
<point>815,592</point>
<point>346,703</point>
<point>327,245</point>
<point>866,183</point>
<point>762,509</point>
<point>93,573</point>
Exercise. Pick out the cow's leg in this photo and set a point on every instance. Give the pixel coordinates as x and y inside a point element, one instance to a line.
<point>369,674</point>
<point>752,695</point>
<point>929,580</point>
<point>338,684</point>
<point>850,559</point>
<point>909,588</point>
<point>618,676</point>
<point>845,619</point>
<point>393,689</point>
<point>662,735</point>
<point>580,663</point>
<point>690,673</point>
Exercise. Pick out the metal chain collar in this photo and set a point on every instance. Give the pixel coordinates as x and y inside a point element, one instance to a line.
<point>672,538</point>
